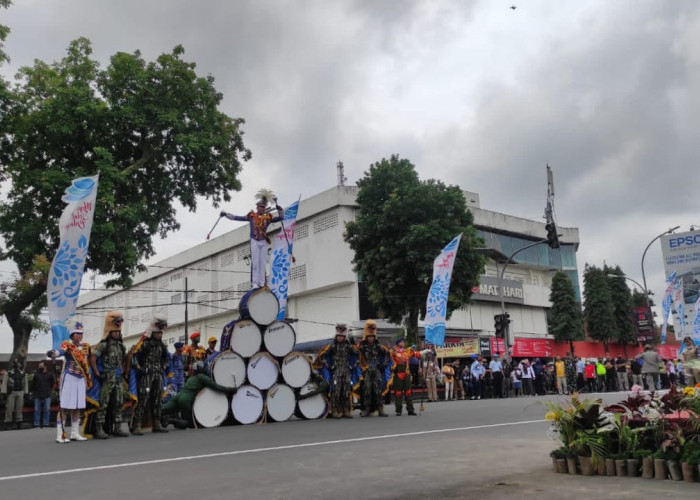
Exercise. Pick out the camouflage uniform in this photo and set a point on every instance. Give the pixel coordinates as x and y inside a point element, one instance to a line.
<point>376,363</point>
<point>112,354</point>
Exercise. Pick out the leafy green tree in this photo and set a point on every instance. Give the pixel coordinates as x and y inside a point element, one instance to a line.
<point>622,305</point>
<point>402,224</point>
<point>638,298</point>
<point>565,314</point>
<point>598,306</point>
<point>152,130</point>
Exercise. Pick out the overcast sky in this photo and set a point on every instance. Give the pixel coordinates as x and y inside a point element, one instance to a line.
<point>474,93</point>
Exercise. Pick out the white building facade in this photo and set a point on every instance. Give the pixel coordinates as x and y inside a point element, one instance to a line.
<point>323,288</point>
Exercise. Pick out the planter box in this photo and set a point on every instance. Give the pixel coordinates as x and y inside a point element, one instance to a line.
<point>674,468</point>
<point>621,468</point>
<point>561,465</point>
<point>659,468</point>
<point>688,472</point>
<point>632,467</point>
<point>648,468</point>
<point>610,467</point>
<point>586,464</point>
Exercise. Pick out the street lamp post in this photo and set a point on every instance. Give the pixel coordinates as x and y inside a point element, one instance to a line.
<point>644,278</point>
<point>506,333</point>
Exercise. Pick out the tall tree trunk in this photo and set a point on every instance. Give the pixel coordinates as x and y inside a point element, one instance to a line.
<point>571,347</point>
<point>412,327</point>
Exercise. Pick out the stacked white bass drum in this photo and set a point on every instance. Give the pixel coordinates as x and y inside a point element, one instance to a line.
<point>257,358</point>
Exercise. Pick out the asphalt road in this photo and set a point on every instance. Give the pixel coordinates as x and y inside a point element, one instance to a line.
<point>485,449</point>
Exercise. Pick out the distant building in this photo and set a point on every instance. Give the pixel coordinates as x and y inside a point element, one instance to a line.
<point>323,287</point>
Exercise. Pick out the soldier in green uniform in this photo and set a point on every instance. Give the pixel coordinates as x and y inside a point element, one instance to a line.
<point>183,401</point>
<point>107,361</point>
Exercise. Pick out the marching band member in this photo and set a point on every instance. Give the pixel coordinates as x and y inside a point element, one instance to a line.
<point>259,220</point>
<point>338,362</point>
<point>74,381</point>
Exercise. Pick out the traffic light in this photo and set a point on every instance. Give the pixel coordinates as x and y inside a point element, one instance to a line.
<point>552,237</point>
<point>498,325</point>
<point>505,321</point>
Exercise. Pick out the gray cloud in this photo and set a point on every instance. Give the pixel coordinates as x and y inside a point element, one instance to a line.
<point>473,93</point>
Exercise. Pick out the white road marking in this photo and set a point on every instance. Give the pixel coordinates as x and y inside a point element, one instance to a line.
<point>260,450</point>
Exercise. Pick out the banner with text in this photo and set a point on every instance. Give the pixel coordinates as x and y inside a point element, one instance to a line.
<point>67,268</point>
<point>681,254</point>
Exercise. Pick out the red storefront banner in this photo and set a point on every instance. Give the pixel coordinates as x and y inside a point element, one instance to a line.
<point>498,346</point>
<point>529,348</point>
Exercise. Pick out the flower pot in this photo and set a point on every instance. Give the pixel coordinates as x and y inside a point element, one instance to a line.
<point>586,464</point>
<point>632,467</point>
<point>571,465</point>
<point>674,468</point>
<point>621,468</point>
<point>561,465</point>
<point>648,468</point>
<point>659,468</point>
<point>610,467</point>
<point>600,467</point>
<point>688,472</point>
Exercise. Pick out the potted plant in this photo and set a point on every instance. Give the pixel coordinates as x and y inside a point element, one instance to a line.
<point>672,445</point>
<point>690,460</point>
<point>559,460</point>
<point>647,463</point>
<point>659,464</point>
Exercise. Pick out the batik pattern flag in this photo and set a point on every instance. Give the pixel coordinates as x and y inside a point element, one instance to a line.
<point>666,304</point>
<point>436,306</point>
<point>67,268</point>
<point>282,258</point>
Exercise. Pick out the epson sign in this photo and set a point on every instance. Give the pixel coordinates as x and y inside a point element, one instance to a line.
<point>678,241</point>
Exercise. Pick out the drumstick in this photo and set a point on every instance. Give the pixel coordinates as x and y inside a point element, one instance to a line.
<point>212,229</point>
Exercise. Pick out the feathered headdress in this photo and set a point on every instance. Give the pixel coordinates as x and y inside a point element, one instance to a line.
<point>265,196</point>
<point>113,321</point>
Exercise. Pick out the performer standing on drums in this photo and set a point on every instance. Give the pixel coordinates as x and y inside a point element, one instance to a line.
<point>339,364</point>
<point>178,410</point>
<point>74,381</point>
<point>259,220</point>
<point>192,353</point>
<point>402,376</point>
<point>107,361</point>
<point>211,348</point>
<point>149,360</point>
<point>376,363</point>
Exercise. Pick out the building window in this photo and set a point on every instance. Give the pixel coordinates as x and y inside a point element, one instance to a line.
<point>227,294</point>
<point>297,272</point>
<point>226,259</point>
<point>163,283</point>
<point>325,222</point>
<point>203,267</point>
<point>243,287</point>
<point>175,298</point>
<point>243,253</point>
<point>176,276</point>
<point>301,231</point>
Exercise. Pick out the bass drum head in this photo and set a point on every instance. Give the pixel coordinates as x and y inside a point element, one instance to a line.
<point>263,370</point>
<point>296,369</point>
<point>246,338</point>
<point>279,338</point>
<point>247,405</point>
<point>210,408</point>
<point>228,369</point>
<point>280,402</point>
<point>314,407</point>
<point>260,305</point>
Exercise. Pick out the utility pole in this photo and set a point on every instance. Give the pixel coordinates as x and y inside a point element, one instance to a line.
<point>187,294</point>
